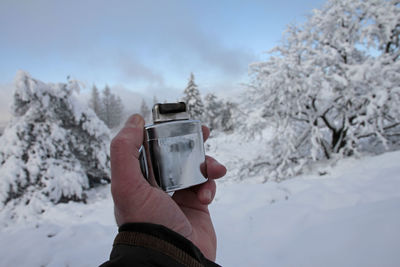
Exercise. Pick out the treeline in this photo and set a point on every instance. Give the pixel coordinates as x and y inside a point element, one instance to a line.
<point>107,106</point>
<point>216,113</point>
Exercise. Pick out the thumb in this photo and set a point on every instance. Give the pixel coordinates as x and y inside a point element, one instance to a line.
<point>126,175</point>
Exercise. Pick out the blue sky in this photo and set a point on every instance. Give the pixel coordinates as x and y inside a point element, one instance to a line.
<point>149,47</point>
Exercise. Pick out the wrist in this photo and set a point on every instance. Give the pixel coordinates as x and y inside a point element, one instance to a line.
<point>162,240</point>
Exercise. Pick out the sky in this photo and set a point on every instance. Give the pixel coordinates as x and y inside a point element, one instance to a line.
<point>141,48</point>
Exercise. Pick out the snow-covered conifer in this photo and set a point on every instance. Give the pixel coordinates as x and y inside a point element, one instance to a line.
<point>212,111</point>
<point>53,149</point>
<point>118,112</point>
<point>95,102</point>
<point>111,108</point>
<point>145,111</point>
<point>227,117</point>
<point>218,114</point>
<point>332,88</point>
<point>193,100</point>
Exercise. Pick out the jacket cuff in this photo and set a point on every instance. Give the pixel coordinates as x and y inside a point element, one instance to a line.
<point>163,240</point>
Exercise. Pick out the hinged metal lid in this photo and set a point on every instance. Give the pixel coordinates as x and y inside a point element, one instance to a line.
<point>170,112</point>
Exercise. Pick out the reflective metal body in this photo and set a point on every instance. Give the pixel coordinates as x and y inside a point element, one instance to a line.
<point>173,156</point>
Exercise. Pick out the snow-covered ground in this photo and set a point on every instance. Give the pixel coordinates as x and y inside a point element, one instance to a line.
<point>348,217</point>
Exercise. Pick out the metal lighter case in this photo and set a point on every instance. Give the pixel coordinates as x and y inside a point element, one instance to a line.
<point>172,156</point>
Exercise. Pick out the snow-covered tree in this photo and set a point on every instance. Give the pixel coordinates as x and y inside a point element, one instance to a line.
<point>332,88</point>
<point>95,101</point>
<point>111,108</point>
<point>212,111</point>
<point>118,112</point>
<point>193,100</point>
<point>218,115</point>
<point>53,149</point>
<point>107,106</point>
<point>227,117</point>
<point>145,111</point>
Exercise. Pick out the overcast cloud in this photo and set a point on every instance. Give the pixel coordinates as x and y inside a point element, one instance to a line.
<point>150,47</point>
<point>132,69</point>
<point>164,30</point>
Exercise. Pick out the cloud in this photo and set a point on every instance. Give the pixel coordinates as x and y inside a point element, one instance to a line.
<point>155,44</point>
<point>132,69</point>
<point>211,51</point>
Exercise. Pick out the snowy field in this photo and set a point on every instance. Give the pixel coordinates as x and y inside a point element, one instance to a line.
<point>349,217</point>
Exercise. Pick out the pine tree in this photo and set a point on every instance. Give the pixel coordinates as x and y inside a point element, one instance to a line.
<point>106,109</point>
<point>219,115</point>
<point>193,100</point>
<point>111,108</point>
<point>118,112</point>
<point>145,111</point>
<point>227,122</point>
<point>53,149</point>
<point>212,111</point>
<point>95,102</point>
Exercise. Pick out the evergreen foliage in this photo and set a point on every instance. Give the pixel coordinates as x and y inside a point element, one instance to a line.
<point>212,111</point>
<point>193,99</point>
<point>227,117</point>
<point>108,107</point>
<point>53,149</point>
<point>145,111</point>
<point>95,102</point>
<point>218,115</point>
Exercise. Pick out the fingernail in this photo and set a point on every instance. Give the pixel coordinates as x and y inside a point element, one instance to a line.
<point>133,121</point>
<point>216,163</point>
<point>208,195</point>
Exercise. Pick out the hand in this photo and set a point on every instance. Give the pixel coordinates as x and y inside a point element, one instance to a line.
<point>186,212</point>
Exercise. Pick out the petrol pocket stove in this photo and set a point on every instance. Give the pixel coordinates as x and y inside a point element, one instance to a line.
<point>172,156</point>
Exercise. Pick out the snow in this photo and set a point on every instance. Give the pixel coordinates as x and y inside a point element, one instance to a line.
<point>66,235</point>
<point>53,149</point>
<point>324,77</point>
<point>338,212</point>
<point>348,217</point>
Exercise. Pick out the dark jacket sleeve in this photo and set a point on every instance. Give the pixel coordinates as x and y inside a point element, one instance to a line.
<point>145,244</point>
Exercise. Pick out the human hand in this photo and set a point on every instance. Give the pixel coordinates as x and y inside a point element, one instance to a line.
<point>186,212</point>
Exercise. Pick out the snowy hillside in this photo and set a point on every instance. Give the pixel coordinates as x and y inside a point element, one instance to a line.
<point>349,217</point>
